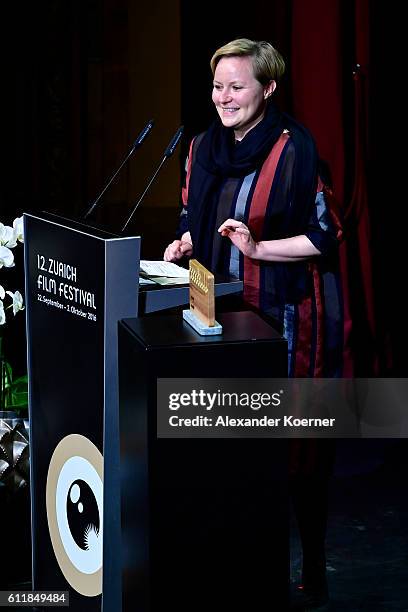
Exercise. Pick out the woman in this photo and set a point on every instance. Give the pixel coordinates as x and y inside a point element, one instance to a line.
<point>256,208</point>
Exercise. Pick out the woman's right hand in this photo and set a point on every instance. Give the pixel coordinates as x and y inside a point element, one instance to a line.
<point>179,248</point>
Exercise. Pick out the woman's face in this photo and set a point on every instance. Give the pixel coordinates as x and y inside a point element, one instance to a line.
<point>239,98</point>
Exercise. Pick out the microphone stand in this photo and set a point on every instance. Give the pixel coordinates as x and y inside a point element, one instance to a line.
<point>138,142</point>
<point>168,152</point>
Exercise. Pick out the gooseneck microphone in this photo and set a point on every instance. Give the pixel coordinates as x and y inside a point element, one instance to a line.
<point>168,153</point>
<point>137,143</point>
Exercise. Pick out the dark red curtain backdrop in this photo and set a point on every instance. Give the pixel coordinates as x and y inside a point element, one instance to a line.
<point>317,86</point>
<point>319,95</point>
<point>317,79</point>
<point>320,88</point>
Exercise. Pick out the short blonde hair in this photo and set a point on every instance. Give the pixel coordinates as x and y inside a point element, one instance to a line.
<point>267,61</point>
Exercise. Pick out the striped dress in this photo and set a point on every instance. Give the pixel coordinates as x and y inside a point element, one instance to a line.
<point>313,325</point>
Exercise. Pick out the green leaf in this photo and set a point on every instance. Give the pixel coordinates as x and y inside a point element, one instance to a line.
<point>7,373</point>
<point>19,391</point>
<point>15,391</point>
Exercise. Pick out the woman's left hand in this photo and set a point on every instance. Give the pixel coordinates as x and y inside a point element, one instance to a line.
<point>239,235</point>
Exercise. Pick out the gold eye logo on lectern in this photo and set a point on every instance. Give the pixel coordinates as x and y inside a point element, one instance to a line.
<point>74,498</point>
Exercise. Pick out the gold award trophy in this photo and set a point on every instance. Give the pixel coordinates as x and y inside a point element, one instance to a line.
<point>201,315</point>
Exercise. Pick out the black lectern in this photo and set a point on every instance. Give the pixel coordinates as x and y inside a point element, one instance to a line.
<point>80,282</point>
<point>204,521</point>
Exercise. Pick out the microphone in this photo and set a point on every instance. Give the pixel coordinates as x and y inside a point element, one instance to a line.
<point>137,143</point>
<point>167,153</point>
<point>174,142</point>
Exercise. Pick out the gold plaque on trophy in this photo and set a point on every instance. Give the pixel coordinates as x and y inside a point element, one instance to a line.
<point>201,315</point>
<point>202,293</point>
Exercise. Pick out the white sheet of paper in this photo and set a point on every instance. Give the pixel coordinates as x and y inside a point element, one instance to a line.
<point>167,280</point>
<point>163,268</point>
<point>145,281</point>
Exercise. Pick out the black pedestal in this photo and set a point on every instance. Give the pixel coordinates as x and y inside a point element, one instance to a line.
<point>204,521</point>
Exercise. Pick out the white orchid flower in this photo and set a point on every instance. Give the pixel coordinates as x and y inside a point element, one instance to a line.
<point>2,293</point>
<point>18,227</point>
<point>6,257</point>
<point>17,301</point>
<point>2,314</point>
<point>7,236</point>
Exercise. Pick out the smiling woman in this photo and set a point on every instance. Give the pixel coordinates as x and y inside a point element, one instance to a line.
<point>239,97</point>
<point>255,207</point>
